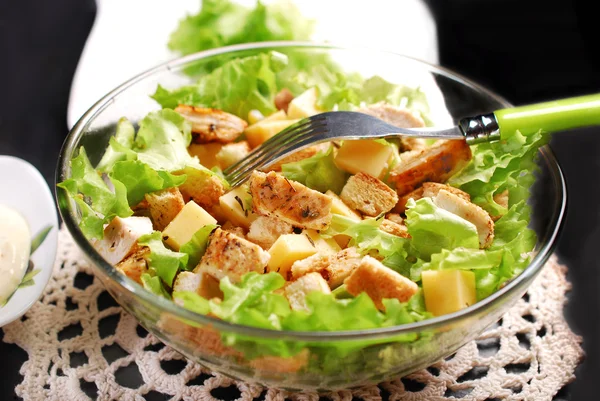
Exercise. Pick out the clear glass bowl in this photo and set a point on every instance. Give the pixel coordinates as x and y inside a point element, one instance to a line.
<point>318,360</point>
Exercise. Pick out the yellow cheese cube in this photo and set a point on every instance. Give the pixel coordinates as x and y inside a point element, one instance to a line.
<point>342,240</point>
<point>304,105</point>
<point>206,153</point>
<point>265,129</point>
<point>448,291</point>
<point>339,207</point>
<point>365,156</point>
<point>326,246</point>
<point>286,250</point>
<point>239,214</point>
<point>277,116</point>
<point>189,220</point>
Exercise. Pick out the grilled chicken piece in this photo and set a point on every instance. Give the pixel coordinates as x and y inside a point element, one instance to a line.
<point>283,98</point>
<point>264,231</point>
<point>212,125</point>
<point>300,155</point>
<point>276,196</point>
<point>470,212</point>
<point>368,195</point>
<point>296,291</point>
<point>436,163</point>
<point>428,189</point>
<point>379,282</point>
<point>228,255</point>
<point>164,206</point>
<point>333,268</point>
<point>121,237</point>
<point>401,118</point>
<point>135,264</point>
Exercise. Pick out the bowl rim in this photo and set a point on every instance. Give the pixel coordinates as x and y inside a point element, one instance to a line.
<point>66,209</point>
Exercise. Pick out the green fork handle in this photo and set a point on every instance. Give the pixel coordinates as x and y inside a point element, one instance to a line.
<point>557,115</point>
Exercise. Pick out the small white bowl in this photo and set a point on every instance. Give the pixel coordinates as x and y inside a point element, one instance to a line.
<point>24,189</point>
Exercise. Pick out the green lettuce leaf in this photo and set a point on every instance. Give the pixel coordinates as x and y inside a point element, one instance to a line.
<point>164,261</point>
<point>318,172</point>
<point>140,179</point>
<point>162,140</point>
<point>497,166</point>
<point>119,146</point>
<point>98,204</point>
<point>237,86</point>
<point>154,285</point>
<point>196,246</point>
<point>369,239</point>
<point>434,229</point>
<point>222,23</point>
<point>192,301</point>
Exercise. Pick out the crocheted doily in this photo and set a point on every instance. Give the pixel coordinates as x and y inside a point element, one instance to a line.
<point>82,346</point>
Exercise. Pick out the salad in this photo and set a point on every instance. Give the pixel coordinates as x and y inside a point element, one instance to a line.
<point>339,236</point>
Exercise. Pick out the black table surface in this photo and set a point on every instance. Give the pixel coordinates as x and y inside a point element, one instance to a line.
<point>526,50</point>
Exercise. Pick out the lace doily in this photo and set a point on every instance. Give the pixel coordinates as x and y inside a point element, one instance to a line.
<point>82,346</point>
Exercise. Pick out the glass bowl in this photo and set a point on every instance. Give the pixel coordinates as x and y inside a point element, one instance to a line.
<point>316,360</point>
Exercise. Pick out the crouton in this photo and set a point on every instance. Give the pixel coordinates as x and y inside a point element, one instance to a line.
<point>390,227</point>
<point>368,195</point>
<point>212,125</point>
<point>201,186</point>
<point>436,163</point>
<point>299,155</point>
<point>232,153</point>
<point>276,196</point>
<point>206,153</point>
<point>278,364</point>
<point>264,231</point>
<point>395,218</point>
<point>379,282</point>
<point>121,236</point>
<point>282,99</point>
<point>296,291</point>
<point>333,268</point>
<point>164,206</point>
<point>470,212</point>
<point>135,264</point>
<point>228,255</point>
<point>428,189</point>
<point>232,228</point>
<point>201,283</point>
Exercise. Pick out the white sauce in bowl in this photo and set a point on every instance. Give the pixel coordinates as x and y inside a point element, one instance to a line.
<point>15,245</point>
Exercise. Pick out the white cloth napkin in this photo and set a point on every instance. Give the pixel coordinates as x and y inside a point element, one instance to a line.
<point>130,36</point>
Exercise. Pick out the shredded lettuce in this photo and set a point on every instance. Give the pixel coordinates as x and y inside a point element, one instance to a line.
<point>318,172</point>
<point>196,246</point>
<point>222,23</point>
<point>154,285</point>
<point>237,86</point>
<point>97,203</point>
<point>118,146</point>
<point>140,179</point>
<point>165,262</point>
<point>433,229</point>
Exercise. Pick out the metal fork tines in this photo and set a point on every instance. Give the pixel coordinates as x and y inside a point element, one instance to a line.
<point>320,128</point>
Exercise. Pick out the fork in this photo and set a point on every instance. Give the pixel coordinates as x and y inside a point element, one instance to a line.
<point>549,117</point>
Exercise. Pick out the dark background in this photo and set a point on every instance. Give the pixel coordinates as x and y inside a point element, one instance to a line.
<point>526,50</point>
